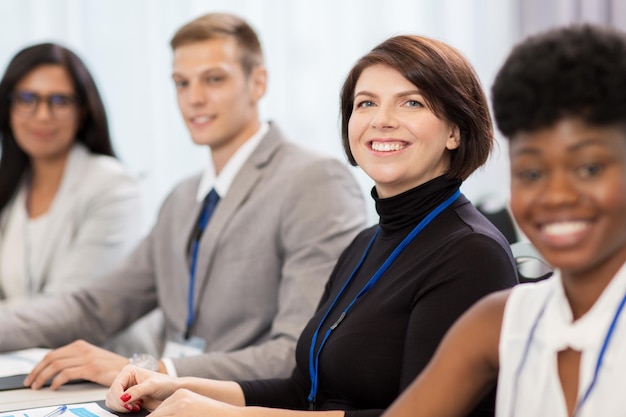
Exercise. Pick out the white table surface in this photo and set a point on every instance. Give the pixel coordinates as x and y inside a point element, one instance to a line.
<point>28,398</point>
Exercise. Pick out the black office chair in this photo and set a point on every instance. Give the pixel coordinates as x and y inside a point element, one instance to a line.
<point>531,267</point>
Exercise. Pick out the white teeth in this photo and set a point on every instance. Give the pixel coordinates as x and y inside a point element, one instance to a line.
<point>565,228</point>
<point>200,119</point>
<point>387,146</point>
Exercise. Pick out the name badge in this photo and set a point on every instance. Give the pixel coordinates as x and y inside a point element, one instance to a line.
<point>180,348</point>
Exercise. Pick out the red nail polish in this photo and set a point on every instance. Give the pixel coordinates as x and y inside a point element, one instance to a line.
<point>136,408</point>
<point>125,397</point>
<point>128,407</point>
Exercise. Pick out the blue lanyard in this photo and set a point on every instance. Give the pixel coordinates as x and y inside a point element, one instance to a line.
<point>207,211</point>
<point>596,372</point>
<point>313,355</point>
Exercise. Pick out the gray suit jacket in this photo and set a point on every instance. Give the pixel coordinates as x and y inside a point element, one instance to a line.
<point>264,259</point>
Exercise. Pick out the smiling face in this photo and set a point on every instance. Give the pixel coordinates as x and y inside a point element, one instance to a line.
<point>218,101</point>
<point>394,136</point>
<point>41,134</point>
<point>568,195</point>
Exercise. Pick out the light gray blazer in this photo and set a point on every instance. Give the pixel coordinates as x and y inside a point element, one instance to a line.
<point>264,259</point>
<point>93,223</point>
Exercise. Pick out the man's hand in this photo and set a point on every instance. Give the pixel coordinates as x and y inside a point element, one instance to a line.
<point>78,360</point>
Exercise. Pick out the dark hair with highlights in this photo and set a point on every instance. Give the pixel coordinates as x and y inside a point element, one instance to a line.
<point>574,71</point>
<point>448,83</point>
<point>93,129</point>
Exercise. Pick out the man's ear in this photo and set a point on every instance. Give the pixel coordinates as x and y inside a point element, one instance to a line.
<point>454,140</point>
<point>258,83</point>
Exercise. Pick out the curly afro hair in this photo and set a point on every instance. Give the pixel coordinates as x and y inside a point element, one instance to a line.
<point>575,71</point>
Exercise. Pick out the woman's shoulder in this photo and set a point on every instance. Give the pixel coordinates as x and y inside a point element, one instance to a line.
<point>492,306</point>
<point>91,174</point>
<point>477,222</point>
<point>524,303</point>
<point>476,231</point>
<point>471,243</point>
<point>530,293</point>
<point>107,166</point>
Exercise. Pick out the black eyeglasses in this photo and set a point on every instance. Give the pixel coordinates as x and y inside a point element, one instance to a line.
<point>26,103</point>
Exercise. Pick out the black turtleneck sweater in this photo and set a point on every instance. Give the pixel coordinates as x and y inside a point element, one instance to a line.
<point>391,332</point>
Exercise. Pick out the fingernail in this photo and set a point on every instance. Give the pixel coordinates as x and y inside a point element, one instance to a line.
<point>136,408</point>
<point>125,397</point>
<point>128,407</point>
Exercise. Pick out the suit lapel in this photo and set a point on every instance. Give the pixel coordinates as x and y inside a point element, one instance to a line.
<point>190,225</point>
<point>241,188</point>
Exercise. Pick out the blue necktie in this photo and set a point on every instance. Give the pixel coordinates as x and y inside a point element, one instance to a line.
<point>208,207</point>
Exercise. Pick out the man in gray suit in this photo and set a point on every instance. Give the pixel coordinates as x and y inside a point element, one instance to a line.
<point>282,218</point>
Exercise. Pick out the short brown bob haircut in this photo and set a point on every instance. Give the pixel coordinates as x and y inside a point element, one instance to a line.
<point>223,25</point>
<point>448,83</point>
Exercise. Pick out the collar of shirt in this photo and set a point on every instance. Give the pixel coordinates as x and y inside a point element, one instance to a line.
<point>222,182</point>
<point>588,332</point>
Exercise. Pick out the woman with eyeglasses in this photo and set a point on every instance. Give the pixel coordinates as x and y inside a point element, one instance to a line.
<point>68,209</point>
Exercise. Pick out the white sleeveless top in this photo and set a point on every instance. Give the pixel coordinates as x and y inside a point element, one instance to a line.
<point>531,386</point>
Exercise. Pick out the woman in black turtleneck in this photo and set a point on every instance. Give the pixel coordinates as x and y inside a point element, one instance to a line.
<point>415,119</point>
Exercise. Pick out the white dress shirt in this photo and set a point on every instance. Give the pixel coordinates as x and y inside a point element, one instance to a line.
<point>222,182</point>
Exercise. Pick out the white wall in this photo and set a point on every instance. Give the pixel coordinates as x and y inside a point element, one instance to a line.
<point>309,47</point>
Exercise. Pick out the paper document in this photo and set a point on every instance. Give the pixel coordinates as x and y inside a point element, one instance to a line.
<point>20,361</point>
<point>73,410</point>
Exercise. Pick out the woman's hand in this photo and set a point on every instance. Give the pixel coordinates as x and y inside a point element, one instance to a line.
<point>136,387</point>
<point>186,403</point>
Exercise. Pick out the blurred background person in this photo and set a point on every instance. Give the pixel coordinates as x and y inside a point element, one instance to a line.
<point>69,210</point>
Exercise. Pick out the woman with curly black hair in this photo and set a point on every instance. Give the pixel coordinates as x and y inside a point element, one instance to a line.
<point>555,348</point>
